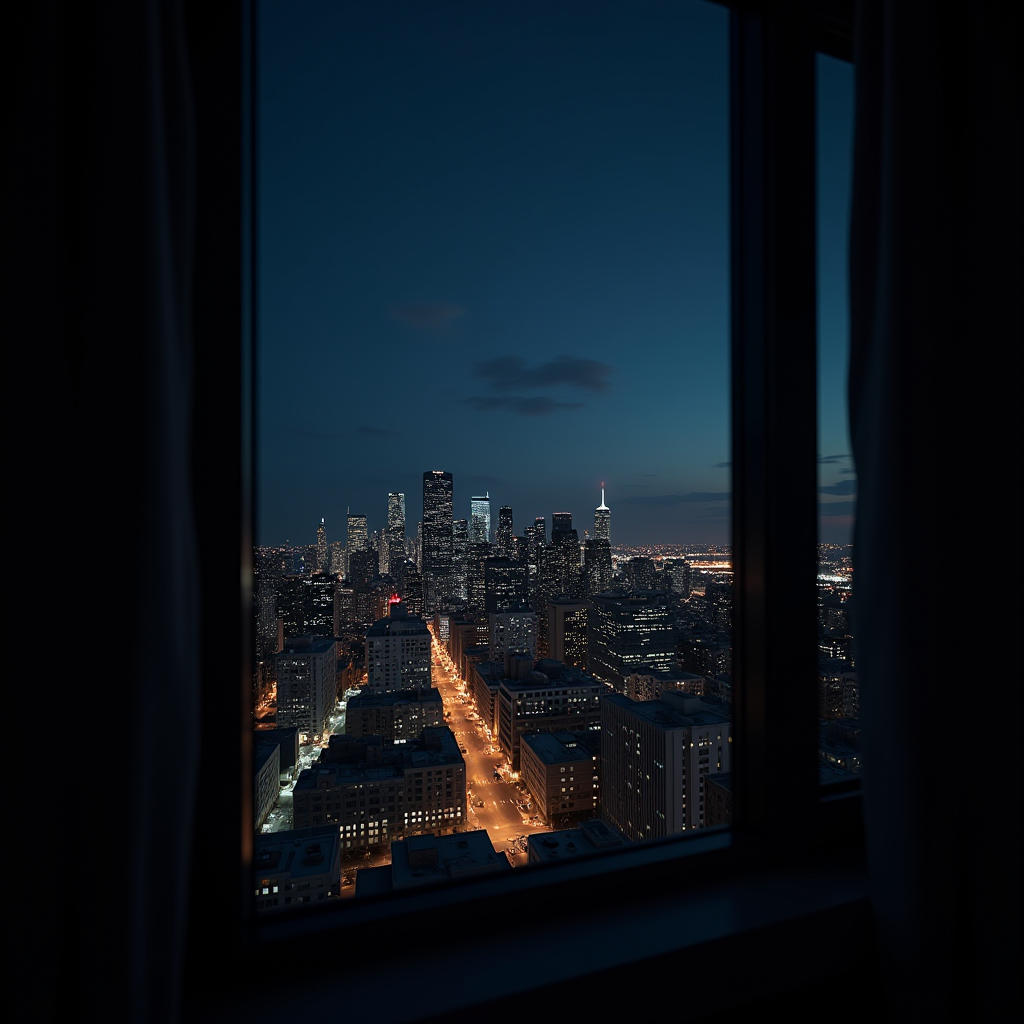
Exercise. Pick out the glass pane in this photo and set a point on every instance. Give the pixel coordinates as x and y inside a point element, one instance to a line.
<point>493,428</point>
<point>837,485</point>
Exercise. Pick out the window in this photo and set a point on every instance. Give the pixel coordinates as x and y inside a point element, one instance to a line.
<point>773,325</point>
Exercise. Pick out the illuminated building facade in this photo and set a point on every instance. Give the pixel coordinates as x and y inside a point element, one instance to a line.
<point>597,565</point>
<point>655,756</point>
<point>630,631</point>
<point>305,606</point>
<point>506,585</point>
<point>296,866</point>
<point>603,521</point>
<point>549,698</point>
<point>460,556</point>
<point>396,717</point>
<point>436,539</point>
<point>307,685</point>
<point>512,632</point>
<point>356,539</point>
<point>480,519</point>
<point>562,772</point>
<point>568,632</point>
<point>321,547</point>
<point>398,652</point>
<point>392,540</point>
<point>504,540</point>
<point>376,794</point>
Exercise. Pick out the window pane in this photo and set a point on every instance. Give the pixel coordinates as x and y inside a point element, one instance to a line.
<point>837,484</point>
<point>493,439</point>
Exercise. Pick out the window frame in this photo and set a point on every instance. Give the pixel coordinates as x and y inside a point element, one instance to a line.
<point>760,892</point>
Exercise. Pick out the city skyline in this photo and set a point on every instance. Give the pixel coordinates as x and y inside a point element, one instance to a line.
<point>494,242</point>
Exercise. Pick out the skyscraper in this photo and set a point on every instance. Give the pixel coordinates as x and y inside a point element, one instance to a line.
<point>630,632</point>
<point>321,546</point>
<point>603,520</point>
<point>504,541</point>
<point>355,538</point>
<point>460,554</point>
<point>561,524</point>
<point>438,524</point>
<point>540,530</point>
<point>396,514</point>
<point>480,519</point>
<point>392,546</point>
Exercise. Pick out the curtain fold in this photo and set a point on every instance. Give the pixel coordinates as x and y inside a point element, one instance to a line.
<point>936,328</point>
<point>106,166</point>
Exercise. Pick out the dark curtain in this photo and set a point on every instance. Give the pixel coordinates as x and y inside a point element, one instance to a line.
<point>936,277</point>
<point>99,215</point>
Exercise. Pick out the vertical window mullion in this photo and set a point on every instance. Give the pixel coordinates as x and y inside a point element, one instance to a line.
<point>774,420</point>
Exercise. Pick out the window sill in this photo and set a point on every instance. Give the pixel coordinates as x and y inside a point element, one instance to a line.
<point>742,920</point>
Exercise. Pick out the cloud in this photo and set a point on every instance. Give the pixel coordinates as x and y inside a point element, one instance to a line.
<point>843,487</point>
<point>510,373</point>
<point>673,500</point>
<point>722,465</point>
<point>427,316</point>
<point>535,405</point>
<point>824,459</point>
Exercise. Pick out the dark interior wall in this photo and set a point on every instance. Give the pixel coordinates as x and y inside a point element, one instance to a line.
<point>122,256</point>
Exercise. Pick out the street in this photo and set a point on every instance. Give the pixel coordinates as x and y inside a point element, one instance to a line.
<point>494,800</point>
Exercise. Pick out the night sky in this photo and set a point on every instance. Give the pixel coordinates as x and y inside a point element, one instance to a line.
<point>493,240</point>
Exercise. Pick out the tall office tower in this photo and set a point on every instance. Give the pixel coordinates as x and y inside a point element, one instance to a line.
<point>630,632</point>
<point>559,574</point>
<point>603,520</point>
<point>561,524</point>
<point>356,538</point>
<point>305,606</point>
<point>398,652</point>
<point>641,573</point>
<point>597,565</point>
<point>392,539</point>
<point>565,542</point>
<point>396,515</point>
<point>505,585</point>
<point>437,537</point>
<point>504,540</point>
<point>307,685</point>
<point>337,558</point>
<point>480,519</point>
<point>655,757</point>
<point>268,571</point>
<point>321,547</point>
<point>412,588</point>
<point>533,542</point>
<point>460,553</point>
<point>476,558</point>
<point>540,530</point>
<point>567,631</point>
